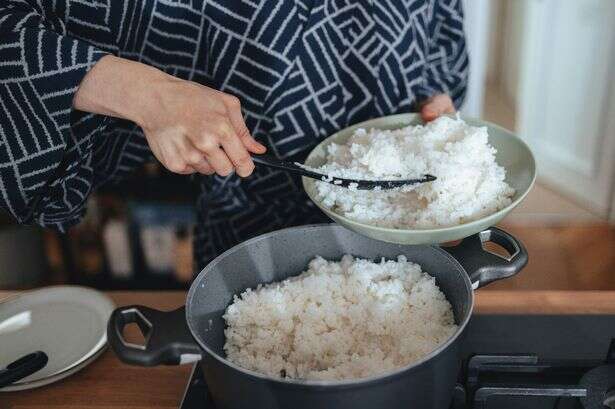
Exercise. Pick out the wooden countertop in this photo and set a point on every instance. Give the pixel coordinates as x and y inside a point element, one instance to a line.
<point>109,384</point>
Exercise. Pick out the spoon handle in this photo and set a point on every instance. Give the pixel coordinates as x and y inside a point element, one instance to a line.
<point>23,367</point>
<point>273,162</point>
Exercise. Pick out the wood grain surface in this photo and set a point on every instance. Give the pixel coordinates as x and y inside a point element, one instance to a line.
<point>574,257</point>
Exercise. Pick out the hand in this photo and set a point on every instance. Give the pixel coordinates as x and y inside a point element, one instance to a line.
<point>192,128</point>
<point>189,127</point>
<point>435,106</point>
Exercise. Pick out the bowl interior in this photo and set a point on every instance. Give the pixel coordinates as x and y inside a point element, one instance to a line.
<point>512,153</point>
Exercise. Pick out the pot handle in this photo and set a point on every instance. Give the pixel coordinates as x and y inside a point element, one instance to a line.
<point>483,266</point>
<point>167,338</point>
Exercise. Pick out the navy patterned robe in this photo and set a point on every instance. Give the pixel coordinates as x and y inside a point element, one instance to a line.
<point>302,69</point>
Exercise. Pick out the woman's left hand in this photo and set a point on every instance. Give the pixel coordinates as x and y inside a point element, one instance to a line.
<point>435,106</point>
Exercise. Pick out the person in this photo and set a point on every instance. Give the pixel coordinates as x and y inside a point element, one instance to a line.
<point>89,90</point>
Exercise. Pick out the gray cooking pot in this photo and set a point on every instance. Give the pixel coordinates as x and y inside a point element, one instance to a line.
<point>196,331</point>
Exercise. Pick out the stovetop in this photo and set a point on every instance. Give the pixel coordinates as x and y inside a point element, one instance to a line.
<point>521,362</point>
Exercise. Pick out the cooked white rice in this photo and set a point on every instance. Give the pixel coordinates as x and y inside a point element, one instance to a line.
<point>339,320</point>
<point>469,184</point>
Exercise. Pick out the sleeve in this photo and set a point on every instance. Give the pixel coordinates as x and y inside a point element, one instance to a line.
<point>45,145</point>
<point>447,65</point>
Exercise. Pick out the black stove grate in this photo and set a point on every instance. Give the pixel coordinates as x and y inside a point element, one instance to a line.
<point>590,382</point>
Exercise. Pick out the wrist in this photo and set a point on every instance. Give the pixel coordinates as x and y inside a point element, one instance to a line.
<point>142,94</point>
<point>120,88</point>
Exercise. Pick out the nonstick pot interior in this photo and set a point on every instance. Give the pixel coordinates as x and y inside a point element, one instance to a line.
<point>285,253</point>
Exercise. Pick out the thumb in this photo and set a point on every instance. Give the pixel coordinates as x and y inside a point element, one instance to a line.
<point>251,144</point>
<point>242,131</point>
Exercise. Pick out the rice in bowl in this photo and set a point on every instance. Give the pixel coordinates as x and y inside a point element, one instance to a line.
<point>470,184</point>
<point>346,319</point>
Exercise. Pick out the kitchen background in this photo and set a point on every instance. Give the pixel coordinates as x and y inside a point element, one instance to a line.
<point>543,68</point>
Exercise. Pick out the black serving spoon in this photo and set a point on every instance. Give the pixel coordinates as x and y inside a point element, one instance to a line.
<point>294,167</point>
<point>22,367</point>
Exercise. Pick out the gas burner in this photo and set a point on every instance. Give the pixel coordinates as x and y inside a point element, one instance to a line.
<point>525,376</point>
<point>566,370</point>
<point>600,386</point>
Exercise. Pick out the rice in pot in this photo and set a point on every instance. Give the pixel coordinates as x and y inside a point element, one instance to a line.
<point>470,184</point>
<point>345,319</point>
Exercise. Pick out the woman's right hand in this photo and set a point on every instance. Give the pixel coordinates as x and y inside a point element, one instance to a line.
<point>189,127</point>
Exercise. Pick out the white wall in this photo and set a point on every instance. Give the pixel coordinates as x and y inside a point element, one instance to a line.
<point>554,62</point>
<point>512,39</point>
<point>477,13</point>
<point>566,96</point>
<point>505,36</point>
<point>495,33</point>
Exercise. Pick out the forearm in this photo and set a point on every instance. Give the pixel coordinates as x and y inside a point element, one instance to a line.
<point>189,127</point>
<point>120,88</point>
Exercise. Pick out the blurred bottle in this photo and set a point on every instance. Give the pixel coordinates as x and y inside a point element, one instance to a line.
<point>85,243</point>
<point>23,262</point>
<point>117,248</point>
<point>183,255</point>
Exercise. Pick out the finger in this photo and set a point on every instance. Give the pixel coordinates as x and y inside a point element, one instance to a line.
<point>174,161</point>
<point>234,149</point>
<point>185,170</point>
<point>443,103</point>
<point>193,157</point>
<point>203,167</point>
<point>219,161</point>
<point>180,167</point>
<point>238,154</point>
<point>436,106</point>
<point>208,146</point>
<point>430,112</point>
<point>197,161</point>
<point>236,118</point>
<point>250,143</point>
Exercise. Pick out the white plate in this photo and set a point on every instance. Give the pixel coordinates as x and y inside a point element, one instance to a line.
<point>68,323</point>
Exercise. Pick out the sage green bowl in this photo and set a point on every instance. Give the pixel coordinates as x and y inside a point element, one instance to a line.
<point>512,153</point>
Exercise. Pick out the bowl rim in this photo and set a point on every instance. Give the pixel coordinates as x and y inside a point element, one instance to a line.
<point>498,215</point>
<point>291,382</point>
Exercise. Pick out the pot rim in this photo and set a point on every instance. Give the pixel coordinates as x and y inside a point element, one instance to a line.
<point>325,383</point>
